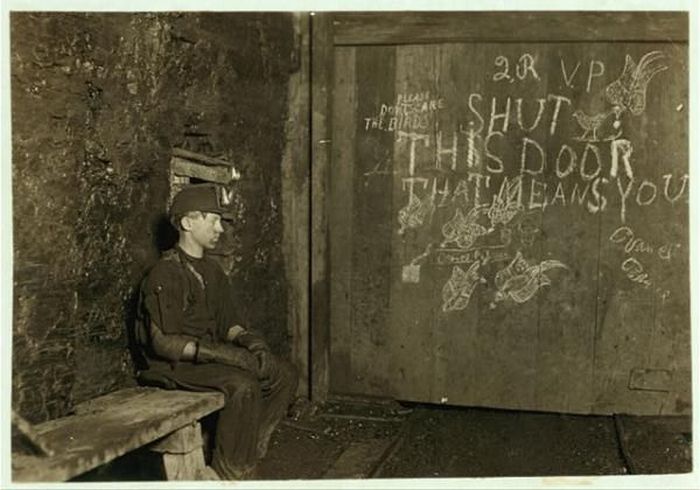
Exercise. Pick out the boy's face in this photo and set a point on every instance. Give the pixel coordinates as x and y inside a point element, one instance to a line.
<point>205,228</point>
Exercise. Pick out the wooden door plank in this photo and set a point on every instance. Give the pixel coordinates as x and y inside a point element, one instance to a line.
<point>363,28</point>
<point>341,212</point>
<point>411,324</point>
<point>457,329</point>
<point>642,354</point>
<point>506,330</point>
<point>448,353</point>
<point>371,241</point>
<point>570,230</point>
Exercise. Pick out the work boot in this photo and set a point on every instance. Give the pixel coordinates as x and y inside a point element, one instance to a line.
<point>236,474</point>
<point>264,441</point>
<point>208,473</point>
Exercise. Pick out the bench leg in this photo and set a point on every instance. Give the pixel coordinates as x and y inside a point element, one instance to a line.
<point>183,458</point>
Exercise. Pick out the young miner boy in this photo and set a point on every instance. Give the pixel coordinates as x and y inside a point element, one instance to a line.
<point>192,339</point>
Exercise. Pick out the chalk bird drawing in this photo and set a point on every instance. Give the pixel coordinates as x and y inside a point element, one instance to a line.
<point>520,281</point>
<point>458,290</point>
<point>629,91</point>
<point>464,230</point>
<point>414,213</point>
<point>590,124</point>
<point>502,211</point>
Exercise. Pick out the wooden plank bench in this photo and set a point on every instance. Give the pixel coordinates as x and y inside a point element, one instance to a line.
<point>167,421</point>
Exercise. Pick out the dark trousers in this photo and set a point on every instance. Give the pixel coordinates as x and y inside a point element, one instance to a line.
<point>249,416</point>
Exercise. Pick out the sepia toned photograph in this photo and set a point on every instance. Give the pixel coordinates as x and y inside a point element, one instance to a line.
<point>283,246</point>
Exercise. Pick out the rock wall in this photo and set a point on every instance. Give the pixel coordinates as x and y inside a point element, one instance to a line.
<point>98,103</point>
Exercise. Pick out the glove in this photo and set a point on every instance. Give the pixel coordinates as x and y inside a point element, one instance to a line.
<point>267,364</point>
<point>251,341</point>
<point>227,354</point>
<point>269,370</point>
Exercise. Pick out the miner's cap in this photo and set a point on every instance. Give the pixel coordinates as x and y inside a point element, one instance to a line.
<point>208,198</point>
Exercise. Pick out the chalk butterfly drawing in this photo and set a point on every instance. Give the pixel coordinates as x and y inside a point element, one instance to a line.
<point>464,230</point>
<point>459,288</point>
<point>520,281</point>
<point>629,91</point>
<point>414,213</point>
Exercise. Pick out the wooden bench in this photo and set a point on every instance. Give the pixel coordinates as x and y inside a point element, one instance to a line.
<point>112,425</point>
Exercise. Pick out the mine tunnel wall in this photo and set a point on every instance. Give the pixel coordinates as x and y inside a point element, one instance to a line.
<point>98,103</point>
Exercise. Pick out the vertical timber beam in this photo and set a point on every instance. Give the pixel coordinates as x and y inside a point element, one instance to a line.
<point>296,169</point>
<point>321,125</point>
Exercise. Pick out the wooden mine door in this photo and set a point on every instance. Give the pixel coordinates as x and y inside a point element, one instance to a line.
<point>506,202</point>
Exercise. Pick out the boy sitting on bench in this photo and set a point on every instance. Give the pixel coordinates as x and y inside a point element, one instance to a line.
<point>191,338</point>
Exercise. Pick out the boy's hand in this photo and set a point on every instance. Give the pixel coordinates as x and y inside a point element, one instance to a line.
<point>267,364</point>
<point>253,342</point>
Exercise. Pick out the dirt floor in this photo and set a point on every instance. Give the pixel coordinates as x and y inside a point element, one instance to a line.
<point>355,439</point>
<point>350,438</point>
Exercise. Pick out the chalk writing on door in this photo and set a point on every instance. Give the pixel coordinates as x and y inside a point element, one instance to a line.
<point>504,161</point>
<point>522,69</point>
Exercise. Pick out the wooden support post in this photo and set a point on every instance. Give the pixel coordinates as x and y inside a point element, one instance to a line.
<point>321,88</point>
<point>296,171</point>
<point>183,458</point>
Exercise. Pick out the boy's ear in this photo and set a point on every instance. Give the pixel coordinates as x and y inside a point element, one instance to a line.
<point>186,223</point>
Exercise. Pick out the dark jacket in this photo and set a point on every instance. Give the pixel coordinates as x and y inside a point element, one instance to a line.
<point>183,298</point>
